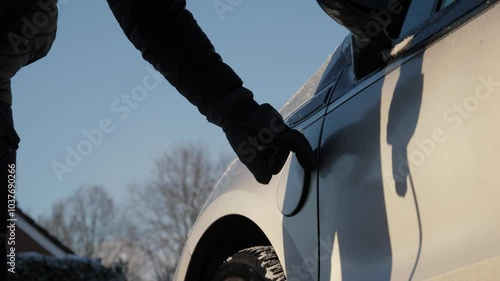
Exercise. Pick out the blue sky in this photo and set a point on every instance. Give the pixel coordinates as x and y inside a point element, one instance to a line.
<point>83,84</point>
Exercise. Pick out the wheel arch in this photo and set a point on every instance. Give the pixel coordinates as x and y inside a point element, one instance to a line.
<point>223,238</point>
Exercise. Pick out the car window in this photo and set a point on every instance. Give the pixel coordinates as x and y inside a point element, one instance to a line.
<point>425,23</point>
<point>440,22</point>
<point>418,12</point>
<point>445,3</point>
<point>341,60</point>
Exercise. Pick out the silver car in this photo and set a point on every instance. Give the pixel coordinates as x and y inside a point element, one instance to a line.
<point>406,188</point>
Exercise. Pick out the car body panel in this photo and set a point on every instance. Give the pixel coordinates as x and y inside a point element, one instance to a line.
<point>444,214</point>
<point>485,270</point>
<point>406,187</point>
<point>237,193</point>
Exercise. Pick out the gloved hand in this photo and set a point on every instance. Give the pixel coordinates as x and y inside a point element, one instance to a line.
<point>258,134</point>
<point>263,143</point>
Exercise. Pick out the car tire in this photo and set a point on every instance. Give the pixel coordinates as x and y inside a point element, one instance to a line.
<point>252,264</point>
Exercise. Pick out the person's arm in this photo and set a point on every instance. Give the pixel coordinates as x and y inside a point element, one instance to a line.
<point>170,39</point>
<point>24,39</point>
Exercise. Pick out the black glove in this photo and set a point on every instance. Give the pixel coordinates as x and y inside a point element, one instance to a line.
<point>263,143</point>
<point>258,135</point>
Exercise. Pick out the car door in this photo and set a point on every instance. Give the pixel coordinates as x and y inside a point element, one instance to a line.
<point>398,163</point>
<point>297,190</point>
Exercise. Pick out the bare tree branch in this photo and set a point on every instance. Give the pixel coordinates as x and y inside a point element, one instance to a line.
<point>168,205</point>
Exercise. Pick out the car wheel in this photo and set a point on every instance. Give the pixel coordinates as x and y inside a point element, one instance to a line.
<point>252,264</point>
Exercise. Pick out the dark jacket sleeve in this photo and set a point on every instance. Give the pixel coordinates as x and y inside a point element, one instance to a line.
<point>27,31</point>
<point>170,39</point>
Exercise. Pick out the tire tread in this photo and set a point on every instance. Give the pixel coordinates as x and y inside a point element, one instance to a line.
<point>263,258</point>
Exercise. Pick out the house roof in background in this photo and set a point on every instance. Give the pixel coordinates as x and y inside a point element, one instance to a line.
<point>41,235</point>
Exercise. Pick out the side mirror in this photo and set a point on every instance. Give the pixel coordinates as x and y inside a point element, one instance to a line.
<point>372,24</point>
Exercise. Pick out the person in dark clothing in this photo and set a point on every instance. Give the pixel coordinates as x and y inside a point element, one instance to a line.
<point>27,30</point>
<point>170,39</point>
